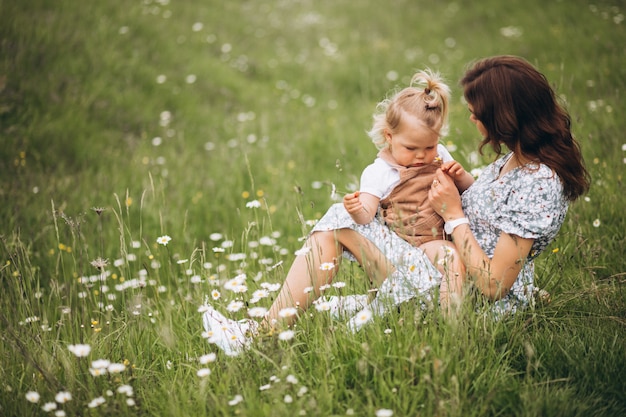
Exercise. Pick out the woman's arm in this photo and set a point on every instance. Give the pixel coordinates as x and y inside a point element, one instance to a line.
<point>362,207</point>
<point>493,276</point>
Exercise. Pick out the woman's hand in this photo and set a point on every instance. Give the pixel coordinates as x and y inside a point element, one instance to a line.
<point>444,197</point>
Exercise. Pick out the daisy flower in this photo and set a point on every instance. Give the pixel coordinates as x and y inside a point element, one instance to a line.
<point>234,283</point>
<point>327,266</point>
<point>303,251</point>
<point>80,351</point>
<point>271,287</point>
<point>287,312</point>
<point>32,396</point>
<point>98,401</point>
<point>163,240</point>
<point>100,364</point>
<point>116,368</point>
<point>286,335</point>
<point>203,372</point>
<point>125,389</point>
<point>208,358</point>
<point>257,312</point>
<point>384,412</point>
<point>596,223</point>
<point>262,293</point>
<point>339,284</point>
<point>323,306</point>
<point>253,204</point>
<point>97,371</point>
<point>47,407</point>
<point>363,317</point>
<point>234,306</point>
<point>215,294</point>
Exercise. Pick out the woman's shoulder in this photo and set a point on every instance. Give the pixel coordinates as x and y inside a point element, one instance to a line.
<point>539,173</point>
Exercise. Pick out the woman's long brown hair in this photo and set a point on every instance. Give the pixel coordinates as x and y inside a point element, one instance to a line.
<point>519,109</point>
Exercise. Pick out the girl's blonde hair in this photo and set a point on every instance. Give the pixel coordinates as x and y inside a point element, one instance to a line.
<point>426,98</point>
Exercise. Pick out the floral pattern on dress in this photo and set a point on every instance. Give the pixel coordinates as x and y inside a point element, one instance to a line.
<point>411,261</point>
<point>528,202</point>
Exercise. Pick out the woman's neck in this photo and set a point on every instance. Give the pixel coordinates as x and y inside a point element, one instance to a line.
<point>516,160</point>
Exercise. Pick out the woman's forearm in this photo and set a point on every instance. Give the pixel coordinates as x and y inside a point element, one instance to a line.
<point>494,276</point>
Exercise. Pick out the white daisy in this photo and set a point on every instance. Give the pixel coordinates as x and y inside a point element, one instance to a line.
<point>80,350</point>
<point>327,266</point>
<point>286,335</point>
<point>163,240</point>
<point>208,358</point>
<point>257,312</point>
<point>287,312</point>
<point>32,396</point>
<point>234,306</point>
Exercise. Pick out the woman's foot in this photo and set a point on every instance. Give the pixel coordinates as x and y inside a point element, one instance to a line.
<point>233,337</point>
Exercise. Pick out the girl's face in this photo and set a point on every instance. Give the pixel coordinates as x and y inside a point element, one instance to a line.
<point>478,123</point>
<point>413,144</point>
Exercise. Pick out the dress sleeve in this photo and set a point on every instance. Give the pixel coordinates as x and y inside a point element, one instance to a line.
<point>535,206</point>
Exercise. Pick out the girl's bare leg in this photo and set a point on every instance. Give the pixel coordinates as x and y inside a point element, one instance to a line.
<point>444,256</point>
<point>325,247</point>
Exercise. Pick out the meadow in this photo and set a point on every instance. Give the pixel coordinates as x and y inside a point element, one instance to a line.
<point>230,127</point>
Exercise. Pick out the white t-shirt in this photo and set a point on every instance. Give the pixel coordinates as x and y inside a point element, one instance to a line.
<point>379,178</point>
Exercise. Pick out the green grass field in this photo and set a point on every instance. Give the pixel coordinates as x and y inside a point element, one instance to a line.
<point>124,121</point>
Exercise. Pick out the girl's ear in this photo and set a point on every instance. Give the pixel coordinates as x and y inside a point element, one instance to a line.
<point>388,135</point>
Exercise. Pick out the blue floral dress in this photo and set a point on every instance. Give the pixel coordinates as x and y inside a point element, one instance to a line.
<point>527,201</point>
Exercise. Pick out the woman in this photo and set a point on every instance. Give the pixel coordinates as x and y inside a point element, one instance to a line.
<point>517,205</point>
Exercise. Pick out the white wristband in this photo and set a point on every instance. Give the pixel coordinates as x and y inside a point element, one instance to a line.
<point>451,225</point>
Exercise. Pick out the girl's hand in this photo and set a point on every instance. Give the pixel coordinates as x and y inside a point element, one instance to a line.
<point>453,169</point>
<point>462,179</point>
<point>444,197</point>
<point>361,207</point>
<point>352,203</point>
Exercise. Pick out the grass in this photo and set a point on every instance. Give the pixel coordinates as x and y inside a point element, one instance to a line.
<point>171,116</point>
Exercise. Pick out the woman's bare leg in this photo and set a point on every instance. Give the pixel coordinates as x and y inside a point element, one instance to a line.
<point>444,256</point>
<point>326,247</point>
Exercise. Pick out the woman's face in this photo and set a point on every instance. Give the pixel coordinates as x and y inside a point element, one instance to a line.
<point>478,123</point>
